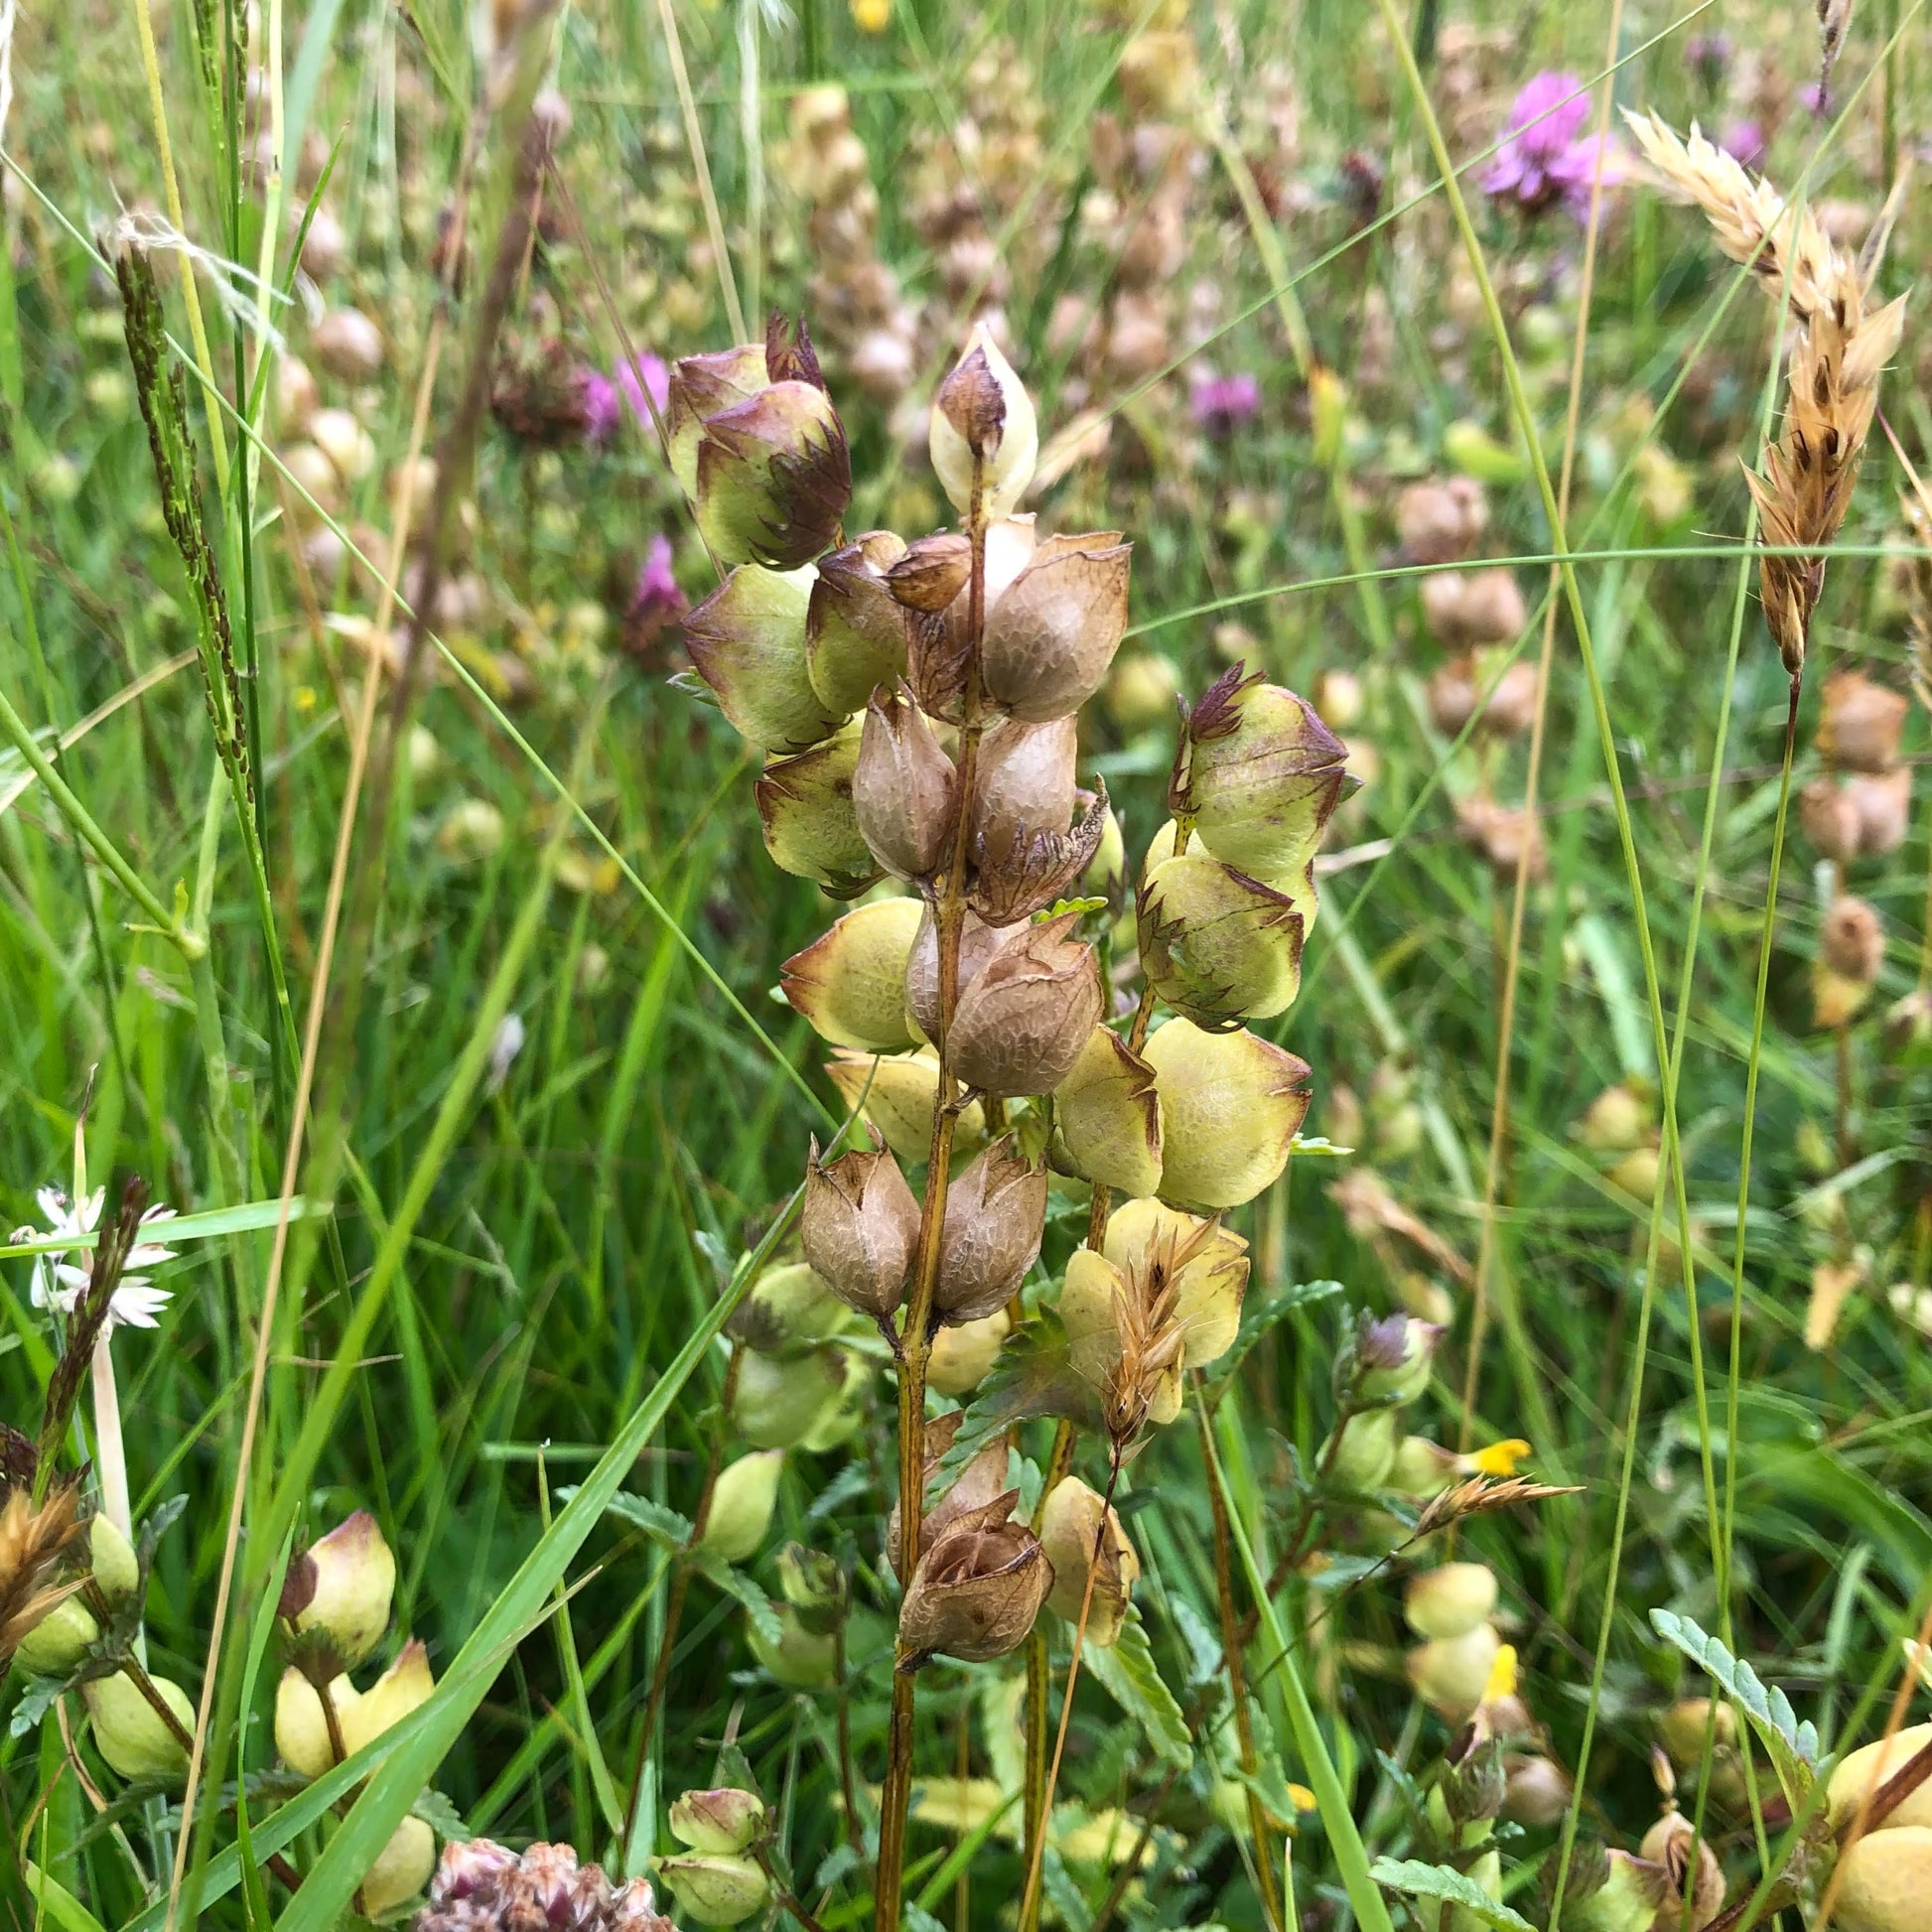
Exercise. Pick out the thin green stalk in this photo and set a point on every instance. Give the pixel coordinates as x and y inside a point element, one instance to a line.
<point>1351,1856</point>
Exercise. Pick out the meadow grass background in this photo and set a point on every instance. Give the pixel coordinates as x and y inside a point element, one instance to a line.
<point>510,1267</point>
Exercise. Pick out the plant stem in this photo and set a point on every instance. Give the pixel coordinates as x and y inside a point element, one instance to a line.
<point>674,1609</point>
<point>1034,1813</point>
<point>1231,1647</point>
<point>949,920</point>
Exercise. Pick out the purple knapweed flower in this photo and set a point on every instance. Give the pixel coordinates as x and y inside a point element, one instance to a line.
<point>1743,141</point>
<point>1546,156</point>
<point>657,594</point>
<point>1220,404</point>
<point>646,377</point>
<point>600,402</point>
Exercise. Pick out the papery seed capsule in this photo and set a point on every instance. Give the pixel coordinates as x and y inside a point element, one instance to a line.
<point>1024,782</point>
<point>741,1502</point>
<point>401,1870</point>
<point>1630,1895</point>
<point>1052,636</point>
<point>850,983</point>
<point>896,1094</point>
<point>1024,1017</point>
<point>962,1355</point>
<point>1830,817</point>
<point>1511,708</point>
<point>1107,1115</point>
<point>723,1820</point>
<point>994,1216</point>
<point>1861,722</point>
<point>1881,807</point>
<point>976,1590</point>
<point>1453,695</point>
<point>809,819</point>
<point>1450,1599</point>
<point>1681,1728</point>
<point>931,574</point>
<point>855,629</point>
<point>325,248</point>
<point>128,1731</point>
<point>1852,940</point>
<point>700,386</point>
<point>348,447</point>
<point>983,433</point>
<point>860,1226</point>
<point>1439,521</point>
<point>1217,946</point>
<point>775,476</point>
<point>1073,1522</point>
<point>1230,1107</point>
<point>778,1401</point>
<point>972,1488</point>
<point>904,788</point>
<point>348,345</point>
<point>748,641</point>
<point>940,644</point>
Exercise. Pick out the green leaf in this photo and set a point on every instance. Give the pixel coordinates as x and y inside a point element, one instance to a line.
<point>1127,1672</point>
<point>1793,1745</point>
<point>440,1814</point>
<point>393,1788</point>
<point>1258,1316</point>
<point>660,1523</point>
<point>60,1904</point>
<point>35,1701</point>
<point>213,1225</point>
<point>733,1583</point>
<point>1419,1880</point>
<point>1033,1376</point>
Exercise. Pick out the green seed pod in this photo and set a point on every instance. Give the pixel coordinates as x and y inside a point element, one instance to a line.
<point>716,1889</point>
<point>1450,1673</point>
<point>748,643</point>
<point>1396,1358</point>
<point>802,1659</point>
<point>1217,946</point>
<point>742,1503</point>
<point>116,1568</point>
<point>1107,1115</point>
<point>845,1414</point>
<point>1868,1768</point>
<point>1885,1881</point>
<point>300,1728</point>
<point>811,829</point>
<point>1450,1599</point>
<point>1536,1790</point>
<point>1365,1454</point>
<point>773,472</point>
<point>402,1871</point>
<point>850,983</point>
<point>55,1646</point>
<point>962,1355</point>
<point>724,1820</point>
<point>130,1735</point>
<point>343,1586</point>
<point>983,428</point>
<point>1420,1468</point>
<point>812,1583</point>
<point>1618,1121</point>
<point>1264,776</point>
<point>1630,1896</point>
<point>899,1092</point>
<point>791,1306</point>
<point>777,1402</point>
<point>406,1685</point>
<point>855,629</point>
<point>1070,1525</point>
<point>702,385</point>
<point>1230,1107</point>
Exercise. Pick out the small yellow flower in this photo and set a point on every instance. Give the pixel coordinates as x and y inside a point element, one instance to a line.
<point>1499,1459</point>
<point>1502,1676</point>
<point>305,698</point>
<point>1303,1798</point>
<point>872,15</point>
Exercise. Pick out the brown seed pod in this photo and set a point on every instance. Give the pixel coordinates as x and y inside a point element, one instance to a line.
<point>976,1590</point>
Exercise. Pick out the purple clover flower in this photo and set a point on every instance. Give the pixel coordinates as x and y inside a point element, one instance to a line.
<point>646,377</point>
<point>1546,156</point>
<point>657,595</point>
<point>1743,141</point>
<point>1220,404</point>
<point>598,396</point>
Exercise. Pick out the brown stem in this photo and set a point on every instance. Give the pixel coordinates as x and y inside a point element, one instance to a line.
<point>949,919</point>
<point>962,1897</point>
<point>660,1675</point>
<point>1231,1649</point>
<point>332,1722</point>
<point>786,1897</point>
<point>1895,1791</point>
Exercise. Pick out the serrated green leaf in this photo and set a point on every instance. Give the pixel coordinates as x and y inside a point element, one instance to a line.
<point>1033,1376</point>
<point>35,1701</point>
<point>1260,1315</point>
<point>735,1584</point>
<point>1793,1745</point>
<point>660,1523</point>
<point>1418,1881</point>
<point>438,1811</point>
<point>1127,1672</point>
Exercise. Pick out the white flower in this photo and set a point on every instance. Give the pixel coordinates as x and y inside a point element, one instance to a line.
<point>59,1285</point>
